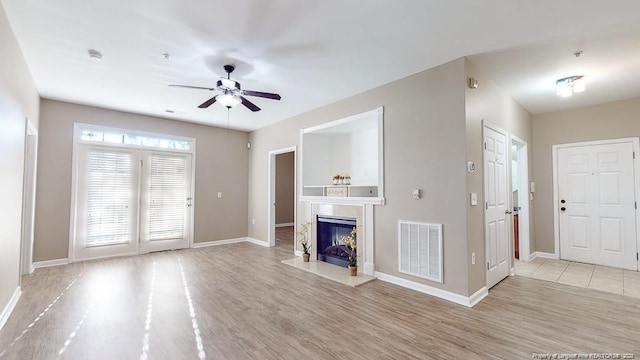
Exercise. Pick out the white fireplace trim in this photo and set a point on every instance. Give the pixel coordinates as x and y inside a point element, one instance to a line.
<point>364,222</point>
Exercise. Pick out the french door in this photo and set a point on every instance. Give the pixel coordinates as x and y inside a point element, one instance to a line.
<point>130,201</point>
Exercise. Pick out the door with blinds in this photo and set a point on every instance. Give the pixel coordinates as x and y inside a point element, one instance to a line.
<point>130,201</point>
<point>165,201</point>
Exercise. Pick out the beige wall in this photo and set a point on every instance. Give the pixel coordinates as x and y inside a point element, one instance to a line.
<point>424,135</point>
<point>221,166</point>
<point>607,121</point>
<point>19,100</point>
<point>285,185</point>
<point>491,104</point>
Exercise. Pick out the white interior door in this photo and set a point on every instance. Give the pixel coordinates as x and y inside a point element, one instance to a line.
<point>596,202</point>
<point>496,194</point>
<point>166,201</point>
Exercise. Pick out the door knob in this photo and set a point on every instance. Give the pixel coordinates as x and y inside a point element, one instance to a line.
<point>563,208</point>
<point>562,201</point>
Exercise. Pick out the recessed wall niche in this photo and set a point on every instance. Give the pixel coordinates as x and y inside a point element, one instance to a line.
<point>351,148</point>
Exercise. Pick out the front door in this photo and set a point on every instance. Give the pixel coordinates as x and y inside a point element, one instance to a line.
<point>496,195</point>
<point>596,202</point>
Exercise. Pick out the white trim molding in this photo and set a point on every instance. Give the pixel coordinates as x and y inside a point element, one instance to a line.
<point>217,242</point>
<point>257,242</point>
<point>50,263</point>
<point>8,309</point>
<point>469,301</point>
<point>544,255</point>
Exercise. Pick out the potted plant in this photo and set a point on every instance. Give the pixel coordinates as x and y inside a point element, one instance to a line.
<point>336,179</point>
<point>350,241</point>
<point>304,241</point>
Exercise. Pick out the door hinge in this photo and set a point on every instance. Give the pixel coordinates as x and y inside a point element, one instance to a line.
<point>637,257</point>
<point>485,145</point>
<point>141,162</point>
<point>636,204</point>
<point>486,205</point>
<point>487,266</point>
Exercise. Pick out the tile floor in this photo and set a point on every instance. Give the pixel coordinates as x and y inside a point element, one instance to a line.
<point>613,280</point>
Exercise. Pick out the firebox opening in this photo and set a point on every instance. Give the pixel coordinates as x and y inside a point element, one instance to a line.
<point>330,247</point>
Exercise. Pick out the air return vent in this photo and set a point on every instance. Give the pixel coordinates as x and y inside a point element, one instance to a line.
<point>420,249</point>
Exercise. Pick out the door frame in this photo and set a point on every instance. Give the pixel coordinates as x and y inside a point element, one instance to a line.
<point>77,141</point>
<point>486,124</point>
<point>524,247</point>
<point>635,141</point>
<point>271,191</point>
<point>29,197</point>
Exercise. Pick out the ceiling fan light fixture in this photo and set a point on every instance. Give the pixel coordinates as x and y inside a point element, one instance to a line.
<point>228,100</point>
<point>566,87</point>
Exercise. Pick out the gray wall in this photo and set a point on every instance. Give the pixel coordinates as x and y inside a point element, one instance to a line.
<point>221,166</point>
<point>607,121</point>
<point>489,103</point>
<point>285,185</point>
<point>19,99</point>
<point>424,135</point>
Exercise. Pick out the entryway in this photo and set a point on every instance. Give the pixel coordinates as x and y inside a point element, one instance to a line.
<point>282,195</point>
<point>128,199</point>
<point>595,187</point>
<point>588,276</point>
<point>506,206</point>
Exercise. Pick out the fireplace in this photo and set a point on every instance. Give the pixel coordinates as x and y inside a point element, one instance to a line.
<point>330,247</point>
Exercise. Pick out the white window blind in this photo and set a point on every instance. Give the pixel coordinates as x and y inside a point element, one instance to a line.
<point>167,196</point>
<point>110,196</point>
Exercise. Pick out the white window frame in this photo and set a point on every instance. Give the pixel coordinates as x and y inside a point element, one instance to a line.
<point>78,128</point>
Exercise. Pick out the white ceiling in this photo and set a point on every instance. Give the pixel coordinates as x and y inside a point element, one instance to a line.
<point>317,52</point>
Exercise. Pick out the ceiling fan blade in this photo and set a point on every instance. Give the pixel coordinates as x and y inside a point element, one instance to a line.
<point>249,104</point>
<point>208,103</point>
<point>261,94</point>
<point>191,87</point>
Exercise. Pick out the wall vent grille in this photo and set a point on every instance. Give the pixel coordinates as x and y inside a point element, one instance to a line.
<point>420,249</point>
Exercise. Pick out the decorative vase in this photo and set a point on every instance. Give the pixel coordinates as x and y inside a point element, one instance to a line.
<point>335,181</point>
<point>305,257</point>
<point>353,270</point>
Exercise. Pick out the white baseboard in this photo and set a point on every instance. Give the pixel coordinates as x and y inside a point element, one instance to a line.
<point>544,255</point>
<point>478,296</point>
<point>217,242</point>
<point>8,309</point>
<point>430,290</point>
<point>50,263</point>
<point>285,224</point>
<point>258,242</point>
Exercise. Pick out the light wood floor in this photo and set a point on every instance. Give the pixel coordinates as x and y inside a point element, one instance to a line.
<point>239,302</point>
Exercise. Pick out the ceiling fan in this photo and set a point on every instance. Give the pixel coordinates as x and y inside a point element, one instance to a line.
<point>231,93</point>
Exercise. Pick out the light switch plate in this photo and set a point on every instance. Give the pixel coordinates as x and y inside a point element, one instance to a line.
<point>416,194</point>
<point>219,195</point>
<point>474,199</point>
